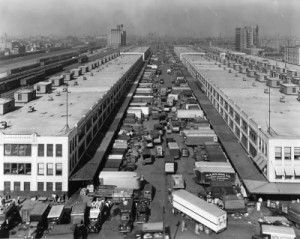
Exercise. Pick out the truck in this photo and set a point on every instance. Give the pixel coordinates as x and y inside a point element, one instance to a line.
<point>175,126</point>
<point>38,217</point>
<point>55,215</point>
<point>170,166</point>
<point>147,156</point>
<point>278,232</point>
<point>174,150</point>
<point>208,172</point>
<point>153,230</point>
<point>142,211</point>
<point>97,214</point>
<point>293,214</point>
<point>178,181</point>
<point>126,223</point>
<point>120,179</point>
<point>207,215</point>
<point>9,218</point>
<point>78,214</point>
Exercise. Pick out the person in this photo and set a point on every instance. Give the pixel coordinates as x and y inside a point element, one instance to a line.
<point>183,225</point>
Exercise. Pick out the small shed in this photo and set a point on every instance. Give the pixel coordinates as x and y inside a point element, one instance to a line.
<point>68,76</point>
<point>273,82</point>
<point>289,89</point>
<point>6,105</point>
<point>261,77</point>
<point>57,80</point>
<point>43,87</point>
<point>84,69</point>
<point>24,95</point>
<point>76,72</point>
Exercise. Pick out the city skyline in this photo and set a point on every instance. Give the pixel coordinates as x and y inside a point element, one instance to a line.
<point>168,18</point>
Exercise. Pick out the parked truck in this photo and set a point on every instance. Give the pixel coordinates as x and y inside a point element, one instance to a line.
<point>208,172</point>
<point>97,214</point>
<point>126,223</point>
<point>293,214</point>
<point>170,166</point>
<point>9,218</point>
<point>78,214</point>
<point>55,215</point>
<point>278,232</point>
<point>174,150</point>
<point>178,181</point>
<point>208,215</point>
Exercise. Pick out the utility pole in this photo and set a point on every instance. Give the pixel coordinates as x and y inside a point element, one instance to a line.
<point>269,128</point>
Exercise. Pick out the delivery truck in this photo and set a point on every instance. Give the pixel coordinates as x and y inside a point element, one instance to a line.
<point>208,215</point>
<point>130,180</point>
<point>170,166</point>
<point>208,172</point>
<point>178,181</point>
<point>78,214</point>
<point>174,150</point>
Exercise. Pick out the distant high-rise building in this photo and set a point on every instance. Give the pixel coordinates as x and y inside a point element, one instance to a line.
<point>292,55</point>
<point>246,37</point>
<point>117,37</point>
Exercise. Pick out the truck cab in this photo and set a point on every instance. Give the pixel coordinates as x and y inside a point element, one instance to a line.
<point>275,232</point>
<point>126,223</point>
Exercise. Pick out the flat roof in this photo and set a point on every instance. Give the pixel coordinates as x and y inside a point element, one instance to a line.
<point>249,96</point>
<point>48,119</point>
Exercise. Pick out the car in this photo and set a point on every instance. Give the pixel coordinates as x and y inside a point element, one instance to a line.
<point>185,152</point>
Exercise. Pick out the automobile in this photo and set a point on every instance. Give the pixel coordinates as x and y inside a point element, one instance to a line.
<point>185,152</point>
<point>161,81</point>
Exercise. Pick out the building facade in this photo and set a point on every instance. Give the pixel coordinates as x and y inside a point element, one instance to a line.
<point>278,157</point>
<point>292,55</point>
<point>43,163</point>
<point>246,37</point>
<point>117,37</point>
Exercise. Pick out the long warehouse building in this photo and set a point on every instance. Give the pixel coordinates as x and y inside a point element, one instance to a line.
<point>243,102</point>
<point>43,141</point>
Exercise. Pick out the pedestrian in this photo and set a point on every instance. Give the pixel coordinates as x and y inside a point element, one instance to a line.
<point>182,225</point>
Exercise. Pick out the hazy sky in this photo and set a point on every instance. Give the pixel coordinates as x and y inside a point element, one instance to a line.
<point>171,17</point>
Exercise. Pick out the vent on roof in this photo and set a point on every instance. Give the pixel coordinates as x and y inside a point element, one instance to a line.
<point>282,99</point>
<point>3,124</point>
<point>84,78</point>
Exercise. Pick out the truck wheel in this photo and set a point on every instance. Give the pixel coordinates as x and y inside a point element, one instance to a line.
<point>206,230</point>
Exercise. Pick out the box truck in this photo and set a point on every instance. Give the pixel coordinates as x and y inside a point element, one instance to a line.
<point>208,215</point>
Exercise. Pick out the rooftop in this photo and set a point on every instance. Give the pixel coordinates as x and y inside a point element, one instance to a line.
<point>250,97</point>
<point>48,119</point>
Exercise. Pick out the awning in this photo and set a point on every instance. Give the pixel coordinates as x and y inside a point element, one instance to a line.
<point>279,171</point>
<point>297,171</point>
<point>289,171</point>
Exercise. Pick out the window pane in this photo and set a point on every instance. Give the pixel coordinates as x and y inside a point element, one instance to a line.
<point>58,187</point>
<point>49,150</point>
<point>278,153</point>
<point>7,149</point>
<point>7,186</point>
<point>49,186</point>
<point>58,148</point>
<point>17,149</point>
<point>14,168</point>
<point>287,153</point>
<point>40,186</point>
<point>17,186</point>
<point>28,168</point>
<point>49,168</point>
<point>21,168</point>
<point>40,169</point>
<point>41,149</point>
<point>7,169</point>
<point>58,169</point>
<point>27,186</point>
<point>297,153</point>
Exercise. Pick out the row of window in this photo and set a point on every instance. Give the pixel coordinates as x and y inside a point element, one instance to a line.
<point>50,150</point>
<point>17,168</point>
<point>25,150</point>
<point>27,186</point>
<point>49,169</point>
<point>286,153</point>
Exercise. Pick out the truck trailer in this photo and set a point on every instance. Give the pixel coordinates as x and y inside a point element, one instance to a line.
<point>206,214</point>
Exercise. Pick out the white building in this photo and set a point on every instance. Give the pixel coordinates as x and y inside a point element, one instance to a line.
<point>37,151</point>
<point>292,55</point>
<point>243,104</point>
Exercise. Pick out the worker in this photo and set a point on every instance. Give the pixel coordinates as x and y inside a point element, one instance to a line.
<point>197,229</point>
<point>183,225</point>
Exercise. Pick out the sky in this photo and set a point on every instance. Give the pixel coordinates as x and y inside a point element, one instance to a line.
<point>176,18</point>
